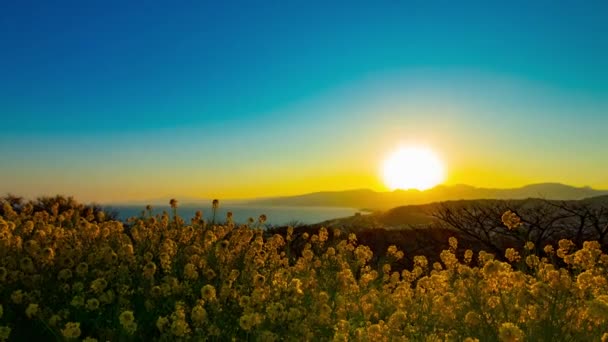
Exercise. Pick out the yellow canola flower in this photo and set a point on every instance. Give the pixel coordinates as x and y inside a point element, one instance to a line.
<point>599,307</point>
<point>130,328</point>
<point>92,304</point>
<point>296,286</point>
<point>198,314</point>
<point>208,292</point>
<point>190,271</point>
<point>472,319</point>
<point>77,301</point>
<point>248,321</point>
<point>99,285</point>
<point>509,332</point>
<point>511,220</point>
<point>127,321</point>
<point>82,269</point>
<point>32,310</point>
<point>71,330</point>
<point>512,255</point>
<point>126,317</point>
<point>65,274</point>
<point>235,282</point>
<point>149,269</point>
<point>161,323</point>
<point>5,333</point>
<point>180,328</point>
<point>54,320</point>
<point>258,280</point>
<point>17,296</point>
<point>453,242</point>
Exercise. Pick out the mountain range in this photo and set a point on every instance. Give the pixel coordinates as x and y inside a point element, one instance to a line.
<point>374,200</point>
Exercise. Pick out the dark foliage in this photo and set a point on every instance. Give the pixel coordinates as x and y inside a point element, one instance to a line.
<point>58,205</point>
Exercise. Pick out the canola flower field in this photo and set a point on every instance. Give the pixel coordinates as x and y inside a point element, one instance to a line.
<point>68,277</point>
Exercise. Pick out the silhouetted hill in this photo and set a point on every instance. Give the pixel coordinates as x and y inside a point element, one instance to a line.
<point>364,198</point>
<point>421,215</point>
<point>597,199</point>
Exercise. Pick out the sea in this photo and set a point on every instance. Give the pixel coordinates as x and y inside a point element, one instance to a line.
<point>275,215</point>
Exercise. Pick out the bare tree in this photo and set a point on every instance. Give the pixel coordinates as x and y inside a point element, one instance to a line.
<point>543,221</point>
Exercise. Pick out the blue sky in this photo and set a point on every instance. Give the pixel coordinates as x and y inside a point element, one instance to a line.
<point>99,97</point>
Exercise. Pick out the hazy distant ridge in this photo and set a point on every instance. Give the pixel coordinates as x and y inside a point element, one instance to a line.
<point>365,198</point>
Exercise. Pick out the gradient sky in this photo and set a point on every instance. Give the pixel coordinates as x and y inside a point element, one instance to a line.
<point>121,100</point>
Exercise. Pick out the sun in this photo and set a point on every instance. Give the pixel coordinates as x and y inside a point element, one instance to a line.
<point>413,167</point>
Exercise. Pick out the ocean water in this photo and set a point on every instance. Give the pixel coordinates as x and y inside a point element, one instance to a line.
<point>275,215</point>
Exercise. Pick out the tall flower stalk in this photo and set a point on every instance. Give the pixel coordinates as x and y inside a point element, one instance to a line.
<point>173,203</point>
<point>214,205</point>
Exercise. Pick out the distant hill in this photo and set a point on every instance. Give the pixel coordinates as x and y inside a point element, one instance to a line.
<point>369,199</point>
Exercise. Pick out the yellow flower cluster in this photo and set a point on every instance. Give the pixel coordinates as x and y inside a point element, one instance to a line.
<point>511,220</point>
<point>159,279</point>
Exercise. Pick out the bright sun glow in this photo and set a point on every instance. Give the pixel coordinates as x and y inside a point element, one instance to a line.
<point>413,168</point>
